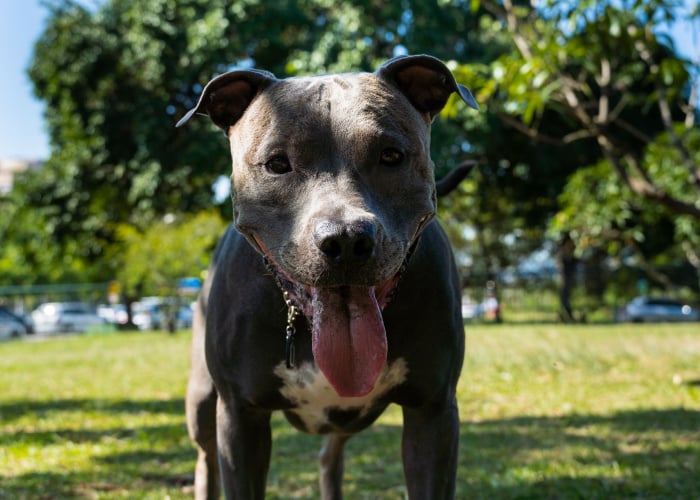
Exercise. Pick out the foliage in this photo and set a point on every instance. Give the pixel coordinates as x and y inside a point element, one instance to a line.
<point>166,251</point>
<point>568,413</point>
<point>114,82</point>
<point>616,86</point>
<point>30,254</point>
<point>116,78</point>
<point>561,87</point>
<point>603,213</point>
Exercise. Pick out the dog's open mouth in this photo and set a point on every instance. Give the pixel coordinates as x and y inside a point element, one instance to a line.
<point>348,337</point>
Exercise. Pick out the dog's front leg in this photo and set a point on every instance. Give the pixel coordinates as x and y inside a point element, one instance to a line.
<point>429,450</point>
<point>244,441</point>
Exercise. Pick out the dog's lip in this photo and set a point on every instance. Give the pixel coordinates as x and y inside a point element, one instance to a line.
<point>301,293</point>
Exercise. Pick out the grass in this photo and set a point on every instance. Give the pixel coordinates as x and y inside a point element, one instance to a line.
<point>548,411</point>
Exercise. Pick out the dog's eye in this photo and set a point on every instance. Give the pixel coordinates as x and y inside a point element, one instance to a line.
<point>391,157</point>
<point>278,164</point>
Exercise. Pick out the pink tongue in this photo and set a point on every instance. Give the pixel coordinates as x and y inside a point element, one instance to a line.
<point>348,338</point>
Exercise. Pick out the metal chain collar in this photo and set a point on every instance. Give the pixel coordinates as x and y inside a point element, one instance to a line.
<point>289,349</point>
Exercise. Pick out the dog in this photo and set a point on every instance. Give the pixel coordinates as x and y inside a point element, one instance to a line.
<point>335,291</point>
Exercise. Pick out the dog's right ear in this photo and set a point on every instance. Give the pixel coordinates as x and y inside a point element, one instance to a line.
<point>227,96</point>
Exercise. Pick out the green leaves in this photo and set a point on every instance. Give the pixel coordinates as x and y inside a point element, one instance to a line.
<point>582,112</point>
<point>600,69</point>
<point>115,77</point>
<point>167,250</point>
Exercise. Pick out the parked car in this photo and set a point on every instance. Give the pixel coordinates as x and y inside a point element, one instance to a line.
<point>643,309</point>
<point>158,313</point>
<point>22,318</point>
<point>470,310</point>
<point>11,326</point>
<point>148,315</point>
<point>184,317</point>
<point>113,314</point>
<point>55,317</point>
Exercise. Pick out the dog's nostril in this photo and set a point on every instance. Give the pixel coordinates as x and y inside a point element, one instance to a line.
<point>345,243</point>
<point>363,247</point>
<point>331,248</point>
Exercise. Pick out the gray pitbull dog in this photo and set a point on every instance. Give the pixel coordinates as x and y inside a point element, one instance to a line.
<point>336,292</point>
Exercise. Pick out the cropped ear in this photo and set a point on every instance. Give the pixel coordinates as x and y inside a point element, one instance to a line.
<point>425,81</point>
<point>227,96</point>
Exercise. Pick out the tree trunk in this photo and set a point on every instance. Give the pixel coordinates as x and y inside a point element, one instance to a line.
<point>567,264</point>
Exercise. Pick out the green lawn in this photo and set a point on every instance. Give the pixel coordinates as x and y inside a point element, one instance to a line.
<point>548,411</point>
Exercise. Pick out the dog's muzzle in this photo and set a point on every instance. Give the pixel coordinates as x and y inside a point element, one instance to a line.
<point>347,329</point>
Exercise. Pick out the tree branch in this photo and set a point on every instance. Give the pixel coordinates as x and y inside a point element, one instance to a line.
<point>691,254</point>
<point>692,107</point>
<point>667,117</point>
<point>514,27</point>
<point>528,131</point>
<point>604,84</point>
<point>633,131</point>
<point>643,186</point>
<point>652,272</point>
<point>619,107</point>
<point>577,136</point>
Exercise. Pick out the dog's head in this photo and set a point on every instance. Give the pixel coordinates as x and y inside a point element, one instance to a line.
<point>333,183</point>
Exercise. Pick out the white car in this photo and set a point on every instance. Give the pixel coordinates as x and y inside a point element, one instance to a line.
<point>55,317</point>
<point>148,315</point>
<point>114,314</point>
<point>11,326</point>
<point>647,309</point>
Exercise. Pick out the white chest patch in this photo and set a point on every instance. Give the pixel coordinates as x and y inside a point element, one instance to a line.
<point>308,389</point>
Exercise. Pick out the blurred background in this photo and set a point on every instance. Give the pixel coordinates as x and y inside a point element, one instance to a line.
<point>586,194</point>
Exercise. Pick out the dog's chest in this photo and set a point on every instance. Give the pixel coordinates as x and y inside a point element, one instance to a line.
<point>318,409</point>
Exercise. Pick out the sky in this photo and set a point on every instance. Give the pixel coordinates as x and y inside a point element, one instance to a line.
<point>22,134</point>
<point>22,131</point>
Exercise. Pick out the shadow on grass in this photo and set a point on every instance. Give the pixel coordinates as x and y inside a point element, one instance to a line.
<point>630,454</point>
<point>13,410</point>
<point>154,458</point>
<point>59,485</point>
<point>645,453</point>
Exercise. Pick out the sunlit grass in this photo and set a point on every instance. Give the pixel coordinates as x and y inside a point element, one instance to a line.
<point>548,411</point>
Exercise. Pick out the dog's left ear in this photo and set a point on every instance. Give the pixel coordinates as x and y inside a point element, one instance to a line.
<point>426,81</point>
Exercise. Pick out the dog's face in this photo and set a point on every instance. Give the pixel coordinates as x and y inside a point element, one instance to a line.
<point>332,179</point>
<point>332,182</point>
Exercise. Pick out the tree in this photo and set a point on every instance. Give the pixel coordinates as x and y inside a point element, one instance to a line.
<point>169,249</point>
<point>29,253</point>
<point>115,80</point>
<point>618,87</point>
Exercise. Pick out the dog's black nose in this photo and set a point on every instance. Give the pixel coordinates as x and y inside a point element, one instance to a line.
<point>345,242</point>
